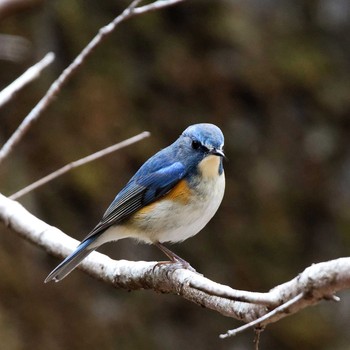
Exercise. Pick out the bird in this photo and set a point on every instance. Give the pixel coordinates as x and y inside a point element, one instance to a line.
<point>172,197</point>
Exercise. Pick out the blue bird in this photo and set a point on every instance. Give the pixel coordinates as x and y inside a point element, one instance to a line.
<point>170,198</point>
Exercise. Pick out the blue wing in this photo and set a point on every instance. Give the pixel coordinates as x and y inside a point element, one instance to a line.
<point>143,189</point>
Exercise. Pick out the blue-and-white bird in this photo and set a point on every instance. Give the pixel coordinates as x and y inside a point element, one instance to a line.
<point>170,198</point>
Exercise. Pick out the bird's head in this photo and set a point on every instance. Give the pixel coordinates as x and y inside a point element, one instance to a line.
<point>204,146</point>
<point>206,138</point>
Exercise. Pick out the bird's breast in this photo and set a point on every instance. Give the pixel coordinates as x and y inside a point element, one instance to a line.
<point>210,166</point>
<point>183,211</point>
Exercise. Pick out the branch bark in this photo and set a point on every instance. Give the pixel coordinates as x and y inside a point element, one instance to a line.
<point>317,282</point>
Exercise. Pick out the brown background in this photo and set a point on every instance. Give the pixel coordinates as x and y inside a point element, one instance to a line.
<point>274,75</point>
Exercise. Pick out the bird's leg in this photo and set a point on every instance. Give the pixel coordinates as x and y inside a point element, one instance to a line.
<point>174,259</point>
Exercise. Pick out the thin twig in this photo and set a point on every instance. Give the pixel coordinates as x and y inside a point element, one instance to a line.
<point>129,12</point>
<point>28,76</point>
<point>280,309</point>
<point>78,163</point>
<point>257,331</point>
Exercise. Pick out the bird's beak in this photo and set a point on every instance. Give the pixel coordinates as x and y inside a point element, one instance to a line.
<point>218,152</point>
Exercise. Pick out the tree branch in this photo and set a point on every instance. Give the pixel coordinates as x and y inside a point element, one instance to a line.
<point>36,112</point>
<point>29,75</point>
<point>317,282</point>
<point>44,180</point>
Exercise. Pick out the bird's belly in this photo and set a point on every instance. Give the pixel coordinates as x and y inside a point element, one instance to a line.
<point>176,220</point>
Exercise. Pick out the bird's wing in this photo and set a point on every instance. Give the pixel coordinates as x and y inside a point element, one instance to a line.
<point>140,191</point>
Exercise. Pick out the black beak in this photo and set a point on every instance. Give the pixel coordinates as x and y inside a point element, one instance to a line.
<point>218,152</point>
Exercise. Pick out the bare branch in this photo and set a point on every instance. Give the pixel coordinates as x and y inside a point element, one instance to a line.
<point>129,12</point>
<point>155,6</point>
<point>44,180</point>
<point>265,318</point>
<point>124,274</point>
<point>29,75</point>
<point>317,282</point>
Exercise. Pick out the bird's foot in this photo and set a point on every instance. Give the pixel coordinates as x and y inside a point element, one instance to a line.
<point>175,261</point>
<point>175,264</point>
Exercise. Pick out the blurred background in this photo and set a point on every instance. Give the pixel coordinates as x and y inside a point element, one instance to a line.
<point>274,75</point>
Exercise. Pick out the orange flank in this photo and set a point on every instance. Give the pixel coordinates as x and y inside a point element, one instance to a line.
<point>180,193</point>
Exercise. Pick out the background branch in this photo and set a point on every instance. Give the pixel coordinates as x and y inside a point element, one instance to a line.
<point>44,180</point>
<point>29,75</point>
<point>36,112</point>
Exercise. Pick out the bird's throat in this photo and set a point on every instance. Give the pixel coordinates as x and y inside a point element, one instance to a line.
<point>210,166</point>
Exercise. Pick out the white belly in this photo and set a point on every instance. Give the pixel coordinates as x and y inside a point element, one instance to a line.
<point>173,221</point>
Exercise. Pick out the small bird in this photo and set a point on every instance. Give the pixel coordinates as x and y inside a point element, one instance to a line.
<point>170,198</point>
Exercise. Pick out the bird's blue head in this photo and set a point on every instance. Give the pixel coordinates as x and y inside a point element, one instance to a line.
<point>202,142</point>
<point>207,137</point>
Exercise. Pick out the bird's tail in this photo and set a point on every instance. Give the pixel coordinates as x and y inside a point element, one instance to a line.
<point>72,261</point>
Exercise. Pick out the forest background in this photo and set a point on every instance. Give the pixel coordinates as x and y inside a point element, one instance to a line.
<point>274,75</point>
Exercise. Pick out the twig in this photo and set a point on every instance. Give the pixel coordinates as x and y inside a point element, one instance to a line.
<point>28,76</point>
<point>280,309</point>
<point>258,331</point>
<point>78,163</point>
<point>129,12</point>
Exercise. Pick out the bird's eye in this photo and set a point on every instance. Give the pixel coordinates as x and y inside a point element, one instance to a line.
<point>195,144</point>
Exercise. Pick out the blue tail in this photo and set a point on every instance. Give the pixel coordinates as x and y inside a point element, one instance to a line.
<point>72,261</point>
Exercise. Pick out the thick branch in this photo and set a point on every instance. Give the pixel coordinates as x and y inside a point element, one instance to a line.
<point>317,282</point>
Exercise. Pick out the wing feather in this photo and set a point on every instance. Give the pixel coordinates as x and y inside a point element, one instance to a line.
<point>140,191</point>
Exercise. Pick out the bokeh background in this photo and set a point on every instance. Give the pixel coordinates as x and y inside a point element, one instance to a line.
<point>274,75</point>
